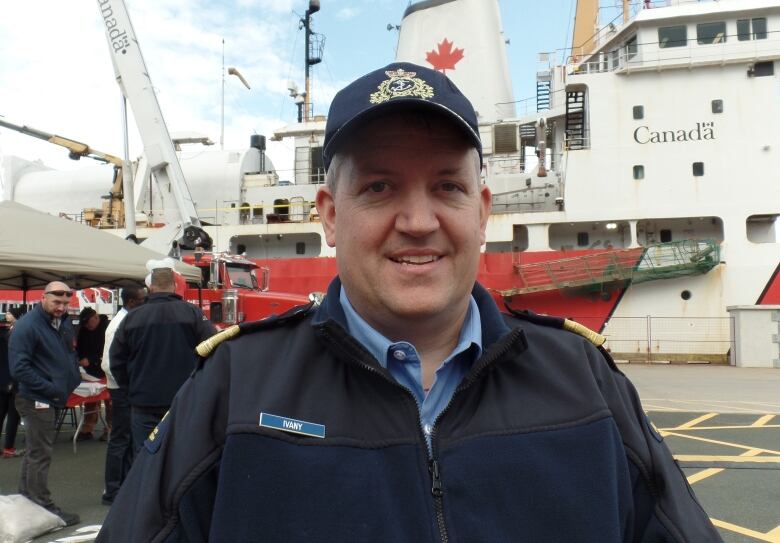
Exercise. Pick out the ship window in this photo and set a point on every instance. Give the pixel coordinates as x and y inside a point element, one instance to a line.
<point>317,166</point>
<point>762,69</point>
<point>300,248</point>
<point>672,36</point>
<point>639,172</point>
<point>743,29</point>
<point>717,106</point>
<point>639,112</point>
<point>759,28</point>
<point>686,295</point>
<point>505,138</point>
<point>582,239</point>
<point>631,48</point>
<point>698,169</point>
<point>711,33</point>
<point>666,235</point>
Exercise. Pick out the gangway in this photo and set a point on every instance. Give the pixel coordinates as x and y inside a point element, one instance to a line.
<point>636,265</point>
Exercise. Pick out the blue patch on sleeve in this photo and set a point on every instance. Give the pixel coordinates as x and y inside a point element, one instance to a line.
<point>155,439</point>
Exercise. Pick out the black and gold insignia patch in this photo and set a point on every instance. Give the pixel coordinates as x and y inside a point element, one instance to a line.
<point>400,84</point>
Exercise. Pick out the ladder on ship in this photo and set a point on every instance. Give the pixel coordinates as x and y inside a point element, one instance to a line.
<point>543,95</point>
<point>575,119</point>
<point>636,265</point>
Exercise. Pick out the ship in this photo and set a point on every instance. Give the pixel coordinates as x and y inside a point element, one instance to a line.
<point>637,192</point>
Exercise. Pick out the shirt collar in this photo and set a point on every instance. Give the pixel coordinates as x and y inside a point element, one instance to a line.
<point>378,345</point>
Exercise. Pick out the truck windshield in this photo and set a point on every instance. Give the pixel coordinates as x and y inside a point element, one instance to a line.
<point>241,276</point>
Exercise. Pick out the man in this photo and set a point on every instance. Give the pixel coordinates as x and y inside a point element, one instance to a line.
<point>119,453</point>
<point>153,352</point>
<point>406,407</point>
<point>90,340</point>
<point>43,362</point>
<point>8,412</point>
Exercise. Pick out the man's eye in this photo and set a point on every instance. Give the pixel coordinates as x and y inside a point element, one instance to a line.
<point>450,187</point>
<point>379,186</point>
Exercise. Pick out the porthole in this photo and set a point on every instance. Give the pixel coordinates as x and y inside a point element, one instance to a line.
<point>686,295</point>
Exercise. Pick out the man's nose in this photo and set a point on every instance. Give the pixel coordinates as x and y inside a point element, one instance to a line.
<point>416,214</point>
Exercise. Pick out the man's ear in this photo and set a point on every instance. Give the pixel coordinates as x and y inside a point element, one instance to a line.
<point>326,207</point>
<point>485,206</point>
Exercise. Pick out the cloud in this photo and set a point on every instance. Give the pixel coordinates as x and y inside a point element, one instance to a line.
<point>347,13</point>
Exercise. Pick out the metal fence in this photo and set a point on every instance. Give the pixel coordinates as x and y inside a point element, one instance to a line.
<point>669,339</point>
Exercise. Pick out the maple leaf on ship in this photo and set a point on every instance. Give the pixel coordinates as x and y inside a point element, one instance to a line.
<point>445,57</point>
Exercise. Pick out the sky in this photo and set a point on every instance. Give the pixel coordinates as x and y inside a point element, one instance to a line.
<point>56,74</point>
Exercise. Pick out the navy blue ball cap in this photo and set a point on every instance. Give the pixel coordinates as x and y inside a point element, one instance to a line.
<point>397,86</point>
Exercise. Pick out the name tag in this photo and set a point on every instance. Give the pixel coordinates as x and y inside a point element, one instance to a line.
<point>292,425</point>
<point>41,405</point>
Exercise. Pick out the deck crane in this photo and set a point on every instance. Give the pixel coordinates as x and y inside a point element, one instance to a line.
<point>183,228</point>
<point>112,214</point>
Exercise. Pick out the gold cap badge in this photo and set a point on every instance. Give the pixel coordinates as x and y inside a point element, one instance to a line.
<point>400,84</point>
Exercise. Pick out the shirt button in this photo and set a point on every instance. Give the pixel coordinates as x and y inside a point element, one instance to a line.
<point>427,428</point>
<point>399,354</point>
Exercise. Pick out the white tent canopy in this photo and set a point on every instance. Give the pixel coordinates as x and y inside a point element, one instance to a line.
<point>36,248</point>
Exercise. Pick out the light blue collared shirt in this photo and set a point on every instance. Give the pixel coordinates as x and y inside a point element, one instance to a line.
<point>403,362</point>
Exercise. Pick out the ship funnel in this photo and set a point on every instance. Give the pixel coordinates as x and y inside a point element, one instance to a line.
<point>464,40</point>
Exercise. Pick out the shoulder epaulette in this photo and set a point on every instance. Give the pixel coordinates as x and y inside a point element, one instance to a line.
<point>594,337</point>
<point>559,322</point>
<point>205,348</point>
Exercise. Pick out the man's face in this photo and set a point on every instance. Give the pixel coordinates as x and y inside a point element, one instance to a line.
<point>92,322</point>
<point>139,299</point>
<point>56,298</point>
<point>407,217</point>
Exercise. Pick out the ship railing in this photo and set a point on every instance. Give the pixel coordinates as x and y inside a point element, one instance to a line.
<point>574,143</point>
<point>669,339</point>
<point>650,56</point>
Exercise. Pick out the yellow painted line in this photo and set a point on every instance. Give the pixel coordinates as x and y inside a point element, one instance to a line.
<point>751,427</point>
<point>720,458</point>
<point>709,472</point>
<point>694,422</point>
<point>745,531</point>
<point>774,533</point>
<point>763,420</point>
<point>704,474</point>
<point>717,442</point>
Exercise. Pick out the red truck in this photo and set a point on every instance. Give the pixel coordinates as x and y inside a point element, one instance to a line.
<point>234,289</point>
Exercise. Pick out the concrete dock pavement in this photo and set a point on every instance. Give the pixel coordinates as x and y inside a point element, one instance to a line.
<point>706,388</point>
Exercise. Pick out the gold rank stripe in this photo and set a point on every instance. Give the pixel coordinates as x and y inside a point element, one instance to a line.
<point>205,348</point>
<point>573,326</point>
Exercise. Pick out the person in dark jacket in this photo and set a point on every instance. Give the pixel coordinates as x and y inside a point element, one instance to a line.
<point>406,407</point>
<point>43,362</point>
<point>153,352</point>
<point>8,412</point>
<point>89,346</point>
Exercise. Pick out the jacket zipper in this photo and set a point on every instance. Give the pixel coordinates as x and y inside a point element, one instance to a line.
<point>437,489</point>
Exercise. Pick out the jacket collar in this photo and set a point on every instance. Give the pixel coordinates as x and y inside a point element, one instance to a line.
<point>162,297</point>
<point>493,325</point>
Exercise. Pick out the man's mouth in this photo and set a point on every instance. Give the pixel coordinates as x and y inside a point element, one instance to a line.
<point>416,260</point>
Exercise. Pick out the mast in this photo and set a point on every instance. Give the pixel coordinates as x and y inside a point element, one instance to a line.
<point>312,57</point>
